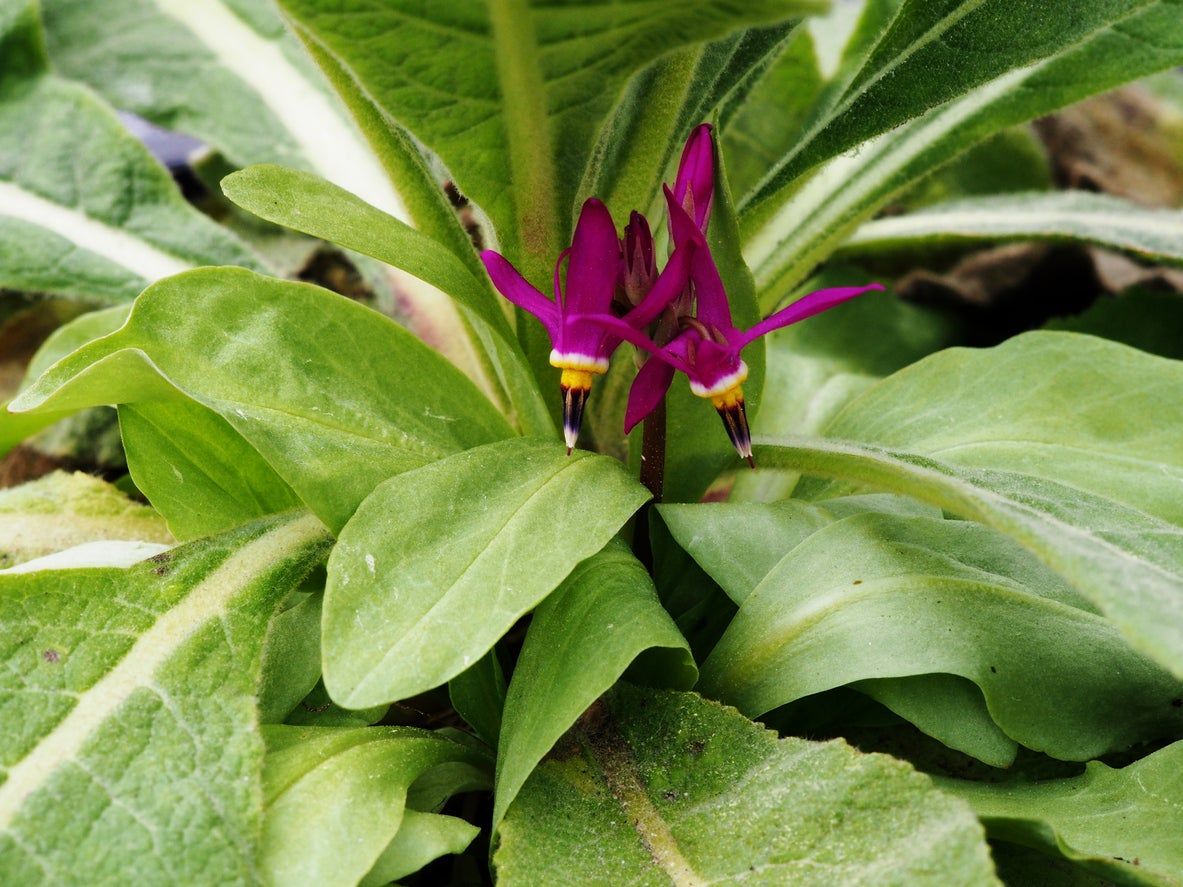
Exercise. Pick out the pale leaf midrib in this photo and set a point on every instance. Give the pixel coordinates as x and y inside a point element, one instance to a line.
<point>89,234</point>
<point>206,601</point>
<point>325,137</point>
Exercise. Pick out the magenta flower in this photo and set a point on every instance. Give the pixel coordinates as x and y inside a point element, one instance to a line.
<point>581,349</point>
<point>708,346</point>
<point>694,186</point>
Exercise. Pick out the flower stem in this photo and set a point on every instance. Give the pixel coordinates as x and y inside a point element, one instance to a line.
<point>653,477</point>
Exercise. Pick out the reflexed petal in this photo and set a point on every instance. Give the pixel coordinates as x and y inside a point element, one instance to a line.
<point>518,290</point>
<point>674,353</point>
<point>649,387</point>
<point>814,303</point>
<point>695,184</point>
<point>595,262</point>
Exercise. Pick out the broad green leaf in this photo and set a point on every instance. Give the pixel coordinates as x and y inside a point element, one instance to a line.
<point>478,695</point>
<point>1143,318</point>
<point>603,620</point>
<point>350,397</point>
<point>663,787</point>
<point>439,563</point>
<point>1056,677</point>
<point>71,336</point>
<point>97,225</point>
<point>934,51</point>
<point>131,750</point>
<point>335,799</point>
<point>421,838</point>
<point>196,470</point>
<point>784,245</point>
<point>62,510</point>
<point>1152,234</point>
<point>226,71</point>
<point>291,658</point>
<point>1082,411</point>
<point>520,114</point>
<point>1119,824</point>
<point>312,205</point>
<point>1126,562</point>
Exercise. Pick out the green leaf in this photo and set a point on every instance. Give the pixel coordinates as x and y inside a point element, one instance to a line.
<point>312,205</point>
<point>131,750</point>
<point>335,799</point>
<point>535,83</point>
<point>1119,824</point>
<point>1151,234</point>
<point>662,787</point>
<point>421,838</point>
<point>785,239</point>
<point>1088,413</point>
<point>1055,676</point>
<point>1126,562</point>
<point>291,658</point>
<point>408,604</point>
<point>478,695</point>
<point>228,72</point>
<point>62,510</point>
<point>351,399</point>
<point>603,620</point>
<point>97,225</point>
<point>196,470</point>
<point>934,51</point>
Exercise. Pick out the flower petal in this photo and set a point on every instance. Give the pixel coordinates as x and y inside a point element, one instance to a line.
<point>649,387</point>
<point>695,184</point>
<point>814,303</point>
<point>521,292</point>
<point>595,262</point>
<point>670,354</point>
<point>670,284</point>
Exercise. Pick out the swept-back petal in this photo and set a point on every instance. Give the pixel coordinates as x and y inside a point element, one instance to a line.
<point>695,184</point>
<point>595,262</point>
<point>648,388</point>
<point>807,306</point>
<point>518,290</point>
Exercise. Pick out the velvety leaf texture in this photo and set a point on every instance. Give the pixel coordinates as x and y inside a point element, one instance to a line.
<point>481,539</point>
<point>130,749</point>
<point>661,787</point>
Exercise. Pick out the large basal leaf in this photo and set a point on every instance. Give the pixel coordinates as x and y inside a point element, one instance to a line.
<point>933,51</point>
<point>131,749</point>
<point>940,597</point>
<point>62,510</point>
<point>348,397</point>
<point>1122,825</point>
<point>519,116</point>
<point>1089,413</point>
<point>605,618</point>
<point>1152,234</point>
<point>226,71</point>
<point>99,224</point>
<point>336,799</point>
<point>788,237</point>
<point>1128,563</point>
<point>439,563</point>
<point>654,788</point>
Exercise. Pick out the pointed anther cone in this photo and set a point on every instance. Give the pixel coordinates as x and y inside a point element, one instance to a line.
<point>732,411</point>
<point>574,400</point>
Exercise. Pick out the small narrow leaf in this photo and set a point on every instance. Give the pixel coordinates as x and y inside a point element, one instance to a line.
<point>605,618</point>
